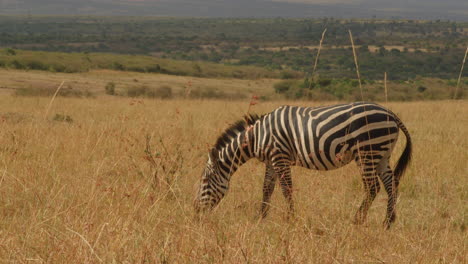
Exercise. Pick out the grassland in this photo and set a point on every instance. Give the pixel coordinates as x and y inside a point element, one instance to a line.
<point>81,189</point>
<point>83,62</point>
<point>93,83</point>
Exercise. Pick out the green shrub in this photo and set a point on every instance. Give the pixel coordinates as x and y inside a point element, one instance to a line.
<point>10,51</point>
<point>137,91</point>
<point>324,82</point>
<point>213,93</point>
<point>36,65</point>
<point>62,118</point>
<point>110,88</point>
<point>17,65</point>
<point>422,89</point>
<point>452,82</point>
<point>164,92</point>
<point>57,68</point>
<point>198,70</point>
<point>134,68</point>
<point>118,66</point>
<point>154,68</point>
<point>287,75</point>
<point>283,86</point>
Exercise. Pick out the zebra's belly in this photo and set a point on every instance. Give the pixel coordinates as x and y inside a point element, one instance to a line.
<point>325,162</point>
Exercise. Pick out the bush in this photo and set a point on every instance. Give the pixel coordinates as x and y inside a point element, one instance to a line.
<point>354,83</point>
<point>10,51</point>
<point>452,82</point>
<point>62,118</point>
<point>283,86</point>
<point>198,70</point>
<point>17,65</point>
<point>163,92</point>
<point>287,75</point>
<point>421,89</point>
<point>57,68</point>
<point>324,82</point>
<point>137,91</point>
<point>36,65</point>
<point>118,66</point>
<point>110,88</point>
<point>213,93</point>
<point>136,69</point>
<point>154,68</point>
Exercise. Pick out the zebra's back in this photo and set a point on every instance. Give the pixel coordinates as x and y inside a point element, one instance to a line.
<point>326,138</point>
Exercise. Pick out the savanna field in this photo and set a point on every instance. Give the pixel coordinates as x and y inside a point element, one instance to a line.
<point>111,179</point>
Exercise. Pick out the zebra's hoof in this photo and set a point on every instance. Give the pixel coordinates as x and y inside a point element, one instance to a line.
<point>359,219</point>
<point>387,224</point>
<point>388,221</point>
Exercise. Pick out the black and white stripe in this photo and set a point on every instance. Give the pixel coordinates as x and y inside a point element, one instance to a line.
<point>323,138</point>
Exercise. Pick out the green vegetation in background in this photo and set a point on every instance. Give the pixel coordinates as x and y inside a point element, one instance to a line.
<point>339,63</point>
<point>345,89</point>
<point>438,45</point>
<point>156,34</point>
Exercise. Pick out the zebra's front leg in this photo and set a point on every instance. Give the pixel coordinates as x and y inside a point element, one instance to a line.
<point>284,175</point>
<point>268,188</point>
<point>391,187</point>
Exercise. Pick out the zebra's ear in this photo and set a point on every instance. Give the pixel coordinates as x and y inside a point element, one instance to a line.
<point>213,155</point>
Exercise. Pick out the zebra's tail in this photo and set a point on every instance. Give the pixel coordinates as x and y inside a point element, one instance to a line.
<point>405,157</point>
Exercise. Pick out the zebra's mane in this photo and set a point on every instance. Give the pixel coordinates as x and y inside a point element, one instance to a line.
<point>235,129</point>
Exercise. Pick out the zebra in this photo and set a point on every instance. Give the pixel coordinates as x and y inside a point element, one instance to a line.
<point>322,138</point>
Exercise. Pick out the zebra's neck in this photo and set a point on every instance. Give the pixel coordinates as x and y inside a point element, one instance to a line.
<point>236,152</point>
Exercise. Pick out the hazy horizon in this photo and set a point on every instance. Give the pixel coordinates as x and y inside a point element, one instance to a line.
<point>404,9</point>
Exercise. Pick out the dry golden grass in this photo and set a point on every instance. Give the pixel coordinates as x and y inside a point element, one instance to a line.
<point>95,81</point>
<point>83,192</point>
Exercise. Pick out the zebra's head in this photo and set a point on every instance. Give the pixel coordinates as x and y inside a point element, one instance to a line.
<point>209,193</point>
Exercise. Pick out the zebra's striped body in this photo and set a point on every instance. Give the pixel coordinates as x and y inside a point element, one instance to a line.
<point>323,138</point>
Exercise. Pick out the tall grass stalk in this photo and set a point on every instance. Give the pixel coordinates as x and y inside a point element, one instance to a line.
<point>356,63</point>
<point>317,58</point>
<point>360,84</point>
<point>52,100</point>
<point>86,242</point>
<point>385,87</point>
<point>460,75</point>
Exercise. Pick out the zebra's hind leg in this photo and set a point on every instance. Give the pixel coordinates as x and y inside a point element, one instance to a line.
<point>391,187</point>
<point>368,165</point>
<point>284,175</point>
<point>268,188</point>
<point>372,187</point>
